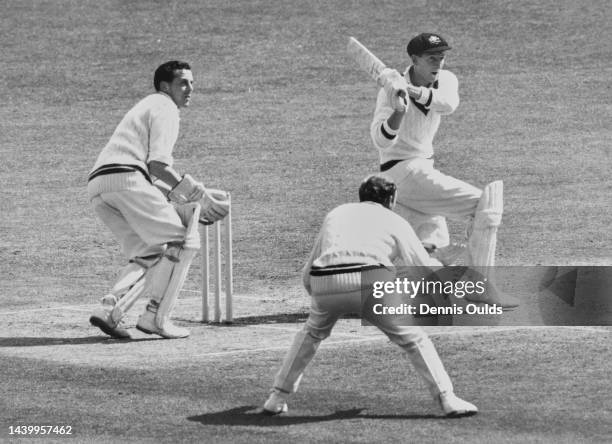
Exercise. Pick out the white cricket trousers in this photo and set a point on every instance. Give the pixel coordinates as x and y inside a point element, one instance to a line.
<point>140,217</point>
<point>426,197</point>
<point>137,213</point>
<point>338,294</point>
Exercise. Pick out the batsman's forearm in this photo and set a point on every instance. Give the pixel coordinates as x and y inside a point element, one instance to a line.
<point>394,121</point>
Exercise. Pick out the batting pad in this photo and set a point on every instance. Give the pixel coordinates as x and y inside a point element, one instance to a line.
<point>128,300</point>
<point>174,267</point>
<point>483,240</point>
<point>130,286</point>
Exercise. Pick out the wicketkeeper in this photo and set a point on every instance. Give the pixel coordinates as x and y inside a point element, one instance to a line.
<point>156,225</point>
<point>358,244</point>
<point>408,112</point>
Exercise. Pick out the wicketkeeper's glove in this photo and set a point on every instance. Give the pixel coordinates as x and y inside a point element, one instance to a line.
<point>215,205</point>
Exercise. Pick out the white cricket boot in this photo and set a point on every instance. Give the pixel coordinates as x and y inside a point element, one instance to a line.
<point>455,407</point>
<point>147,324</point>
<point>276,403</point>
<point>101,318</point>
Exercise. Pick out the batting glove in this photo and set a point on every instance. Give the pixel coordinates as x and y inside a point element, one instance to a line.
<point>399,103</point>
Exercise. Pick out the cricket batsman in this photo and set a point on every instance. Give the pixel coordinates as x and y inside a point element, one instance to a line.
<point>156,226</point>
<point>358,244</point>
<point>409,108</point>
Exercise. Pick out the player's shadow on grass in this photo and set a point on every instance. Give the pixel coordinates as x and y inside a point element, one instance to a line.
<point>279,318</point>
<point>252,416</point>
<point>43,341</point>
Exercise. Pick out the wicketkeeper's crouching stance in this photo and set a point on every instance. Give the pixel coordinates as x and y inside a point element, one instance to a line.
<point>156,225</point>
<point>356,246</point>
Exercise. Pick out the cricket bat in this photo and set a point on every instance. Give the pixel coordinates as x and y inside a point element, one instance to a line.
<point>366,60</point>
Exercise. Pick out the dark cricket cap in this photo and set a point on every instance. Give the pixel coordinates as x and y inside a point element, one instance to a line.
<point>427,42</point>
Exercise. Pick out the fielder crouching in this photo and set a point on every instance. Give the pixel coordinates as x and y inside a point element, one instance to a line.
<point>357,245</point>
<point>156,226</point>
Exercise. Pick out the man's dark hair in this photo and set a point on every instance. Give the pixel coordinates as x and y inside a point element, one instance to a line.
<point>377,189</point>
<point>165,72</point>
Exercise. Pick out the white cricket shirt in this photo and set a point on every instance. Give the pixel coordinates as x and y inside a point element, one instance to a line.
<point>147,132</point>
<point>414,137</point>
<point>367,233</point>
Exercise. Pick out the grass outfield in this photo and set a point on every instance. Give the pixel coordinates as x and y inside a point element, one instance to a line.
<point>280,118</point>
<point>531,385</point>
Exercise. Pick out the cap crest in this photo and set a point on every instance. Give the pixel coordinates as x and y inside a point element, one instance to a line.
<point>427,42</point>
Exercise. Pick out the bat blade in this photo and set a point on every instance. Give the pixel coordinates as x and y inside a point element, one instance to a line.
<point>367,61</point>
